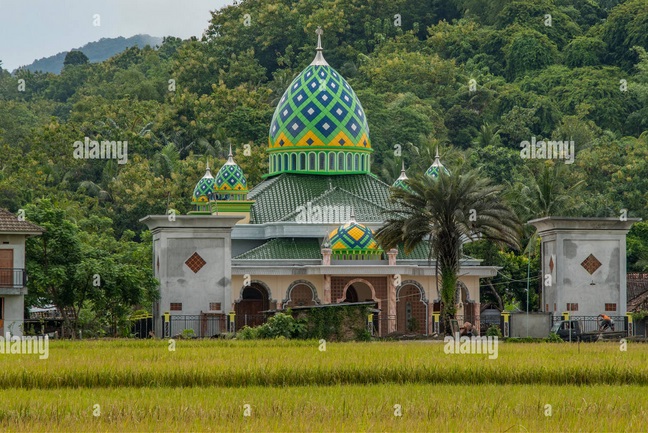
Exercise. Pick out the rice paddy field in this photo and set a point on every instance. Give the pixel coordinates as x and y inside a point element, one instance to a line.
<point>257,386</point>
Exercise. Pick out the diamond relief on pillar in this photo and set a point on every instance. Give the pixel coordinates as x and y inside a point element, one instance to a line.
<point>195,262</point>
<point>591,264</point>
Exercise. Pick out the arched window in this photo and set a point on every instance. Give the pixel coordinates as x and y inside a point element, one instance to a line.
<point>349,162</point>
<point>340,161</point>
<point>311,161</point>
<point>293,161</point>
<point>356,163</point>
<point>331,161</point>
<point>362,163</point>
<point>285,161</point>
<point>322,161</point>
<point>302,161</point>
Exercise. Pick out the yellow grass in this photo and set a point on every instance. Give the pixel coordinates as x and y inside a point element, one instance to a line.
<point>292,386</point>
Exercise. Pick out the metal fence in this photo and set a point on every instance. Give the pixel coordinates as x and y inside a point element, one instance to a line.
<point>592,323</point>
<point>142,327</point>
<point>201,326</point>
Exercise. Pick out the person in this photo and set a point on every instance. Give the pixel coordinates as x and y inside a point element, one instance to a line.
<point>606,322</point>
<point>466,330</point>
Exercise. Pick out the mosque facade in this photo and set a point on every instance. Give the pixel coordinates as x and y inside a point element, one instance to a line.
<point>304,236</point>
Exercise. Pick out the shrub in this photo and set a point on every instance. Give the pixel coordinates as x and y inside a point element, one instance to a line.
<point>247,333</point>
<point>494,331</point>
<point>554,338</point>
<point>188,333</point>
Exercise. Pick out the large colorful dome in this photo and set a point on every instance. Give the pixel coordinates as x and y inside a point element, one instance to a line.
<point>230,180</point>
<point>204,188</point>
<point>353,239</point>
<point>436,167</point>
<point>319,126</point>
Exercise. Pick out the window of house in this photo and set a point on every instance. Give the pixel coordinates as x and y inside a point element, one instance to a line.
<point>572,307</point>
<point>610,307</point>
<point>176,306</point>
<point>214,306</point>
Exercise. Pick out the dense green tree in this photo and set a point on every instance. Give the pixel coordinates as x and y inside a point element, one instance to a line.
<point>75,58</point>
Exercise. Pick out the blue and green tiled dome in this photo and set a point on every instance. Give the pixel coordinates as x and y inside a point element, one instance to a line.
<point>204,188</point>
<point>230,181</point>
<point>400,182</point>
<point>436,167</point>
<point>353,240</point>
<point>319,126</point>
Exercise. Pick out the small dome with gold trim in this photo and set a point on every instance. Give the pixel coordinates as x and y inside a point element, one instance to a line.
<point>353,238</point>
<point>230,180</point>
<point>204,188</point>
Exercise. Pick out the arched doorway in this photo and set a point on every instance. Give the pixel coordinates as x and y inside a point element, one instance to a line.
<point>360,290</point>
<point>254,299</point>
<point>301,293</point>
<point>466,306</point>
<point>411,308</point>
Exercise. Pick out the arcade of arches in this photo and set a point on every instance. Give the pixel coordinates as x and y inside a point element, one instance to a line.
<point>407,308</point>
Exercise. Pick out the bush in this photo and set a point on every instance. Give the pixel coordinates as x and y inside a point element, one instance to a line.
<point>247,333</point>
<point>363,335</point>
<point>494,331</point>
<point>554,338</point>
<point>188,333</point>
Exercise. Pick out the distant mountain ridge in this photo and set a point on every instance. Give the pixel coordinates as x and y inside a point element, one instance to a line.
<point>97,51</point>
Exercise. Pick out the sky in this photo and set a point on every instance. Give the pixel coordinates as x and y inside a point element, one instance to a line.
<point>32,29</point>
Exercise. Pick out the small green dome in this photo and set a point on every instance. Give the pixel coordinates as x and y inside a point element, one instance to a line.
<point>204,188</point>
<point>400,182</point>
<point>230,180</point>
<point>435,169</point>
<point>319,125</point>
<point>353,238</point>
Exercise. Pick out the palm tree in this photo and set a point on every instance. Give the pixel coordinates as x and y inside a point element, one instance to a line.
<point>444,212</point>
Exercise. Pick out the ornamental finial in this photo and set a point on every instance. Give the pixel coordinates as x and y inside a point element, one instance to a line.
<point>319,32</point>
<point>319,57</point>
<point>230,157</point>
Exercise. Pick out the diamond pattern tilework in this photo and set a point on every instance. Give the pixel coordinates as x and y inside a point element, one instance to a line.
<point>321,101</point>
<point>591,264</point>
<point>204,187</point>
<point>352,236</point>
<point>195,262</point>
<point>230,178</point>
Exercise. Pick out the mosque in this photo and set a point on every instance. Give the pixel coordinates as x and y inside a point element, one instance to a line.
<point>305,235</point>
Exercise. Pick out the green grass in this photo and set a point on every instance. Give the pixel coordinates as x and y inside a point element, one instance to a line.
<point>292,386</point>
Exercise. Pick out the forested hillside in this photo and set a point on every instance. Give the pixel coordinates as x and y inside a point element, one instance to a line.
<point>98,51</point>
<point>475,77</point>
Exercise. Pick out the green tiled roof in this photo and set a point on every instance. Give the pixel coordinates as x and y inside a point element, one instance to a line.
<point>339,203</point>
<point>285,248</point>
<point>277,198</point>
<point>420,252</point>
